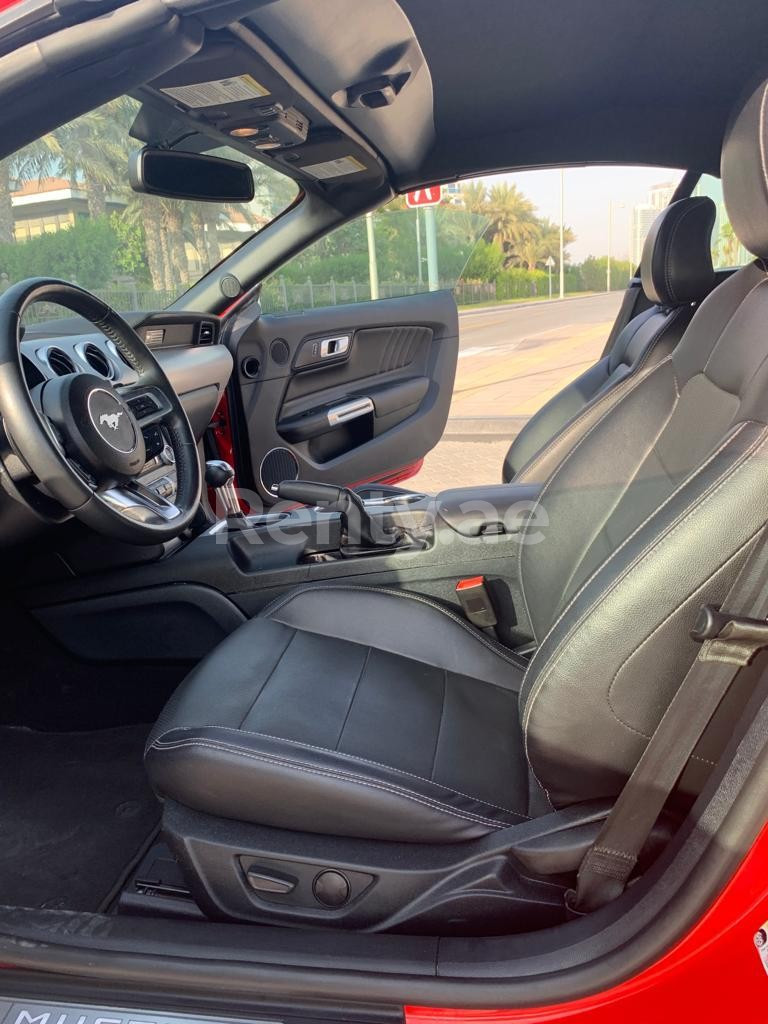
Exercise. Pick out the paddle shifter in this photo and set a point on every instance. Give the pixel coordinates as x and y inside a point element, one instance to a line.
<point>359,527</point>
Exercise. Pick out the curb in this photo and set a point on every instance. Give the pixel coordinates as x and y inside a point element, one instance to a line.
<point>526,304</point>
<point>484,428</point>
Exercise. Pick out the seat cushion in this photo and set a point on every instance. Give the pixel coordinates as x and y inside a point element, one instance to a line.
<point>351,711</point>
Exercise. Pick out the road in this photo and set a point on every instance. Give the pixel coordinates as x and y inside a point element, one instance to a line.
<point>512,359</point>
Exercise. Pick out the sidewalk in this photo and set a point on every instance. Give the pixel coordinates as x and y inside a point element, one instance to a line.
<point>497,390</point>
<point>516,381</point>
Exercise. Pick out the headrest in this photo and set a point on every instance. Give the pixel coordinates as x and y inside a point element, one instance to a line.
<point>744,171</point>
<point>676,268</point>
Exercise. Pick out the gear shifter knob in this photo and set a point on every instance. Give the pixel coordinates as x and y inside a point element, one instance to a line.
<point>221,476</point>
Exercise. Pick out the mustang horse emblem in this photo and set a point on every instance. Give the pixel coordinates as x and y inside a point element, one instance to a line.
<point>112,419</point>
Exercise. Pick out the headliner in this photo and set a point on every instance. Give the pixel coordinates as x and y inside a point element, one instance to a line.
<point>524,82</point>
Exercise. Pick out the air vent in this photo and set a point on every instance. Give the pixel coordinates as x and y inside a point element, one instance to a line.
<point>205,333</point>
<point>118,353</point>
<point>97,361</point>
<point>59,362</point>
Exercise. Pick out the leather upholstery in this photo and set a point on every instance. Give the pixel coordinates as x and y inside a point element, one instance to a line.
<point>676,272</point>
<point>676,266</point>
<point>406,732</point>
<point>744,172</point>
<point>377,715</point>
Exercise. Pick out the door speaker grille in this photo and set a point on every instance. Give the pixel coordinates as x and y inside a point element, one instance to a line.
<point>277,465</point>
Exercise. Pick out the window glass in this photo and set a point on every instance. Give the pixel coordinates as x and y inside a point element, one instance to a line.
<point>498,246</point>
<point>66,210</point>
<point>727,250</point>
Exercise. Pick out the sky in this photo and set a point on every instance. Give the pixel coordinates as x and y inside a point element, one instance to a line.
<point>587,193</point>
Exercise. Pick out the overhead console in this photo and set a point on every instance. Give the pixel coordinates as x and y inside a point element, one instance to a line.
<point>237,92</point>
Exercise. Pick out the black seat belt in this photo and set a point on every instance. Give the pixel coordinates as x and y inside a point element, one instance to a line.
<point>728,643</point>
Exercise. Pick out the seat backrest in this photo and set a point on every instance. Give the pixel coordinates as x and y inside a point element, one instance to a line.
<point>676,273</point>
<point>650,516</point>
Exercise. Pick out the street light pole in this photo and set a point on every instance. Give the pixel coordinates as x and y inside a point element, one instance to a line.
<point>562,234</point>
<point>430,229</point>
<point>373,267</point>
<point>610,233</point>
<point>420,269</point>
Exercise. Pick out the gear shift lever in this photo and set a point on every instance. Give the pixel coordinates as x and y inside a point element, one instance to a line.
<point>220,476</point>
<point>357,520</point>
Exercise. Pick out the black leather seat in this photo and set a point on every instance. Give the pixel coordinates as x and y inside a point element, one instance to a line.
<point>379,715</point>
<point>406,730</point>
<point>676,274</point>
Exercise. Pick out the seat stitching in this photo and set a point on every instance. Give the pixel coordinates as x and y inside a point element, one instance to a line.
<point>725,327</point>
<point>333,774</point>
<point>614,392</point>
<point>362,760</point>
<point>695,503</point>
<point>495,649</point>
<point>651,635</point>
<point>609,512</point>
<point>558,471</point>
<point>761,135</point>
<point>684,483</point>
<point>266,681</point>
<point>439,727</point>
<point>352,698</point>
<point>657,541</point>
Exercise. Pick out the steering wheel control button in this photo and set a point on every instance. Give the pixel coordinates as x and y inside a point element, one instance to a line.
<point>100,432</point>
<point>331,889</point>
<point>269,883</point>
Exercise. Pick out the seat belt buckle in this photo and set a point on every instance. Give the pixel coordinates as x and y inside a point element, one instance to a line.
<point>476,602</point>
<point>735,638</point>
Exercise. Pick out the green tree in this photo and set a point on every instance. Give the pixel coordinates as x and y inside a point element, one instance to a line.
<point>728,246</point>
<point>485,263</point>
<point>93,151</point>
<point>512,220</point>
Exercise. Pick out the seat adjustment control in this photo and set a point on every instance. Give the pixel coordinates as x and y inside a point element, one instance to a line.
<point>269,882</point>
<point>331,889</point>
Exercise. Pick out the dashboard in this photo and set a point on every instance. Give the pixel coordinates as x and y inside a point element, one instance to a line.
<point>187,346</point>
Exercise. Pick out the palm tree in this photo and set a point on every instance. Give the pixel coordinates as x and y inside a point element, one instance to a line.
<point>543,243</point>
<point>475,197</point>
<point>91,149</point>
<point>14,170</point>
<point>513,220</point>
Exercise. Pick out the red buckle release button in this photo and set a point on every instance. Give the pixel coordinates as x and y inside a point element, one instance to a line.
<point>476,602</point>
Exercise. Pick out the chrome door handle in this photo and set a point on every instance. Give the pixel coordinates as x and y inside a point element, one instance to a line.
<point>338,346</point>
<point>349,411</point>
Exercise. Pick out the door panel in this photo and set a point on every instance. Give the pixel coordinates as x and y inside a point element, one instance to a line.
<point>353,392</point>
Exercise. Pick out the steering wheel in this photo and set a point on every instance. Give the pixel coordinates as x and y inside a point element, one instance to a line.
<point>81,437</point>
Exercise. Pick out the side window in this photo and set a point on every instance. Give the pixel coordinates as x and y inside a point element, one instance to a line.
<point>727,250</point>
<point>393,252</point>
<point>538,262</point>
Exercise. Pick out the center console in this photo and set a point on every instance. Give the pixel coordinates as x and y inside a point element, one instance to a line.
<point>188,596</point>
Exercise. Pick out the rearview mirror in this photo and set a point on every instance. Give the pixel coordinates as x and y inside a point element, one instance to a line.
<point>197,176</point>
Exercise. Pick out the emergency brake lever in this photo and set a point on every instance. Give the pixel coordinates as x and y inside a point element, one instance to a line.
<point>359,527</point>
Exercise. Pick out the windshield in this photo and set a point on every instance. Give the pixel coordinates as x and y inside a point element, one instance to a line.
<point>67,211</point>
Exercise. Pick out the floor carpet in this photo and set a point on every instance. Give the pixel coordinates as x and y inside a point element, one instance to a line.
<point>75,811</point>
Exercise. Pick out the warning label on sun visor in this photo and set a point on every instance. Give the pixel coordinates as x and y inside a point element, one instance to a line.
<point>334,168</point>
<point>223,90</point>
